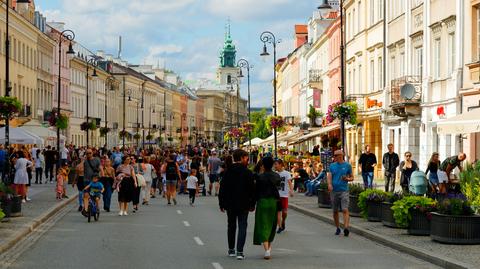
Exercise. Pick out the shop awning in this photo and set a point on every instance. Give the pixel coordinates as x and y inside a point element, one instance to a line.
<point>465,123</point>
<point>20,136</point>
<point>254,141</point>
<point>315,134</point>
<point>36,127</point>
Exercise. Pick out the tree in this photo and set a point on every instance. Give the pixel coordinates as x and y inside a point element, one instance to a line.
<point>258,118</point>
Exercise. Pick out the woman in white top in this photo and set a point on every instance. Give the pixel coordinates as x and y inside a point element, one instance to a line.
<point>147,170</point>
<point>21,175</point>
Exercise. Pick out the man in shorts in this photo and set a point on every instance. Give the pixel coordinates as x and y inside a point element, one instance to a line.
<point>285,189</point>
<point>214,164</point>
<point>338,177</point>
<point>446,168</point>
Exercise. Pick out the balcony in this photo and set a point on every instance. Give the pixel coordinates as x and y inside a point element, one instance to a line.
<point>406,96</point>
<point>315,79</point>
<point>357,98</point>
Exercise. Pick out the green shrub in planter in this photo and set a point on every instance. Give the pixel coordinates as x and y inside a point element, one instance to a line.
<point>355,189</point>
<point>402,208</point>
<point>455,207</point>
<point>470,185</point>
<point>2,215</point>
<point>371,195</point>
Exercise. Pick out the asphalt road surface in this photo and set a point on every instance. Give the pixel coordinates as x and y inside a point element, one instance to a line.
<point>184,237</point>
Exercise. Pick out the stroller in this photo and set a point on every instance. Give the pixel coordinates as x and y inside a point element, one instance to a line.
<point>419,184</point>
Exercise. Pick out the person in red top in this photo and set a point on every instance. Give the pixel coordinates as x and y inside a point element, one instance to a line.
<point>157,165</point>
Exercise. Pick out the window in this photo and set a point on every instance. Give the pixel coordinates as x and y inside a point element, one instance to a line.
<point>393,70</point>
<point>372,75</point>
<point>349,28</point>
<point>360,81</point>
<point>451,53</point>
<point>372,12</point>
<point>355,27</point>
<point>354,87</point>
<point>359,17</point>
<point>436,58</point>
<point>380,73</point>
<point>417,61</point>
<point>401,66</point>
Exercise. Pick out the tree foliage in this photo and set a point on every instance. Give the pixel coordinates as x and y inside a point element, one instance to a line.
<point>260,130</point>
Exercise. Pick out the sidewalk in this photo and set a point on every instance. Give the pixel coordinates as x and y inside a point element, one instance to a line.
<point>447,256</point>
<point>41,208</point>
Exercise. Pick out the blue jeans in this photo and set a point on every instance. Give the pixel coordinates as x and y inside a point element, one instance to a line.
<point>80,198</point>
<point>107,196</point>
<point>367,179</point>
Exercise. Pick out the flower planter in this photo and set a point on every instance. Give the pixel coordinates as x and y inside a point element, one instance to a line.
<point>374,211</point>
<point>387,215</point>
<point>353,208</point>
<point>16,206</point>
<point>6,206</point>
<point>461,230</point>
<point>420,223</point>
<point>324,199</point>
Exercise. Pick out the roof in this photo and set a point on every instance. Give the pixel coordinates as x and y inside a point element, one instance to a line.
<point>301,29</point>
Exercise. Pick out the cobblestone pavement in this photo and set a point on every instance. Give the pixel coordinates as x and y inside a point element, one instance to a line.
<point>469,254</point>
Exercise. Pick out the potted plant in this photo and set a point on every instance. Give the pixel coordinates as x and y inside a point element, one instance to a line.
<point>346,111</point>
<point>414,213</point>
<point>313,114</point>
<point>470,185</point>
<point>370,202</point>
<point>387,212</point>
<point>9,107</point>
<point>354,191</point>
<point>86,126</point>
<point>11,203</point>
<point>275,122</point>
<point>104,131</point>
<point>137,136</point>
<point>324,196</point>
<point>58,120</point>
<point>455,223</point>
<point>149,137</point>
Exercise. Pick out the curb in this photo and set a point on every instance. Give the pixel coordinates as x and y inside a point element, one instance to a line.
<point>35,223</point>
<point>386,241</point>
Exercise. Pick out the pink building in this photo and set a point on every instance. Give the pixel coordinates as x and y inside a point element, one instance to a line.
<point>333,33</point>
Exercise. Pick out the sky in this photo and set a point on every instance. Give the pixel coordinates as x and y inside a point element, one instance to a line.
<point>185,36</point>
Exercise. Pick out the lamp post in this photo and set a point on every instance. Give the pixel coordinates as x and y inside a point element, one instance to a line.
<point>269,38</point>
<point>152,111</point>
<point>125,93</point>
<point>89,61</point>
<point>65,35</point>
<point>325,6</point>
<point>143,114</point>
<point>109,85</point>
<point>242,63</point>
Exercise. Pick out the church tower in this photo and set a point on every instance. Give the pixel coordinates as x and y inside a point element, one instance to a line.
<point>228,63</point>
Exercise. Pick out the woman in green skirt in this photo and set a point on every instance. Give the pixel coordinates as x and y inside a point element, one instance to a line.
<point>267,198</point>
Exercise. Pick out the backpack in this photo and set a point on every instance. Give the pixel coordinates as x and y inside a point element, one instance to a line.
<point>171,171</point>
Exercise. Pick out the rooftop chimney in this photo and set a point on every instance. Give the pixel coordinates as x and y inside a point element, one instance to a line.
<point>301,35</point>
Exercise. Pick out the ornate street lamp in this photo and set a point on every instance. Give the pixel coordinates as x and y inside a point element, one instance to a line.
<point>244,64</point>
<point>269,38</point>
<point>65,35</point>
<point>326,7</point>
<point>125,93</point>
<point>92,60</point>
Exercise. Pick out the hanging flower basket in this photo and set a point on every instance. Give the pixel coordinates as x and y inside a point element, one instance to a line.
<point>85,126</point>
<point>248,126</point>
<point>9,107</point>
<point>137,136</point>
<point>234,133</point>
<point>58,120</point>
<point>170,138</point>
<point>190,138</point>
<point>124,134</point>
<point>104,131</point>
<point>346,111</point>
<point>275,122</point>
<point>149,137</point>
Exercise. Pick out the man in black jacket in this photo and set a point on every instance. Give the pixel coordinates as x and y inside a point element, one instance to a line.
<point>390,163</point>
<point>237,198</point>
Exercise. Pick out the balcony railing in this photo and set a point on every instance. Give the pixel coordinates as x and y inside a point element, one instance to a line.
<point>357,98</point>
<point>315,76</point>
<point>399,98</point>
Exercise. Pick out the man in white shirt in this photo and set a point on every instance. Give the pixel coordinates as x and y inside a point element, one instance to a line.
<point>64,155</point>
<point>285,190</point>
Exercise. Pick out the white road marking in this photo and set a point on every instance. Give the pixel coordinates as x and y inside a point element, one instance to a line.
<point>198,241</point>
<point>216,265</point>
<point>186,223</point>
<point>179,212</point>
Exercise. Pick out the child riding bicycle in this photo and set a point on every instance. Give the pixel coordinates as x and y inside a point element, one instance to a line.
<point>93,190</point>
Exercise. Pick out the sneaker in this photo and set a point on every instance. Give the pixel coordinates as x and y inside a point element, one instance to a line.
<point>24,201</point>
<point>231,253</point>
<point>267,255</point>
<point>346,232</point>
<point>240,256</point>
<point>120,213</point>
<point>338,232</point>
<point>125,213</point>
<point>28,199</point>
<point>280,230</point>
<point>80,208</point>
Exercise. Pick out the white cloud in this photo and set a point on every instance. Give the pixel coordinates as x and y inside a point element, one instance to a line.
<point>245,9</point>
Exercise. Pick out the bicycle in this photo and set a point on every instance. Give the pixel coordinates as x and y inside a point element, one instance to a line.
<point>92,209</point>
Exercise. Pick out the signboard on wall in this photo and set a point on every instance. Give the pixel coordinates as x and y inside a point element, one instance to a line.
<point>316,98</point>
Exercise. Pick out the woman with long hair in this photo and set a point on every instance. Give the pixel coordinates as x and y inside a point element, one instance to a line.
<point>407,167</point>
<point>173,176</point>
<point>432,169</point>
<point>268,200</point>
<point>20,180</point>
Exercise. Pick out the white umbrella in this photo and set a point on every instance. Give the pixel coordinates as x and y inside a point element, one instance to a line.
<point>36,128</point>
<point>20,136</point>
<point>255,142</point>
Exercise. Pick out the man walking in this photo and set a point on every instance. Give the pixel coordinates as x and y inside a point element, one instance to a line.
<point>49,163</point>
<point>214,164</point>
<point>91,169</point>
<point>338,177</point>
<point>237,198</point>
<point>390,163</point>
<point>367,163</point>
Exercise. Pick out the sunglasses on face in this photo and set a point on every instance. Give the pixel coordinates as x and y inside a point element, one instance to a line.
<point>408,156</point>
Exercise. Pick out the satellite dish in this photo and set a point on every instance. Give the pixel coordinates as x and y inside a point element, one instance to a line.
<point>407,91</point>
